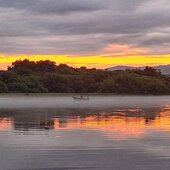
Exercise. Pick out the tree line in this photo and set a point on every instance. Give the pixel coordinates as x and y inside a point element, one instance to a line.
<point>25,76</point>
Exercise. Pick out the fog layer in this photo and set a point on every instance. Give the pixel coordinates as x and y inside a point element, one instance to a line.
<point>93,102</point>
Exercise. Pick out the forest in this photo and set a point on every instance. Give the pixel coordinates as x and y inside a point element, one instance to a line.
<point>25,76</point>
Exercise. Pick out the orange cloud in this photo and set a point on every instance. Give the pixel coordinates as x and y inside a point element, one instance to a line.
<point>124,50</point>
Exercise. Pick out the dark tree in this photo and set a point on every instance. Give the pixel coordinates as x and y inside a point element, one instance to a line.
<point>45,76</point>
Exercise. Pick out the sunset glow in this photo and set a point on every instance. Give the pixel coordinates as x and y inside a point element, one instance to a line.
<point>92,33</point>
<point>85,84</point>
<point>102,61</point>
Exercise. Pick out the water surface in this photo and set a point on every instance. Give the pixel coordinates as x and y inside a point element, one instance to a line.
<point>106,132</point>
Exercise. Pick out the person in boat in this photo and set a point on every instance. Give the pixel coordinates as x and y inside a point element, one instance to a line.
<point>81,97</point>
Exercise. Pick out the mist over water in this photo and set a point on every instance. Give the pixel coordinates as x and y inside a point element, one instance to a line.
<point>98,101</point>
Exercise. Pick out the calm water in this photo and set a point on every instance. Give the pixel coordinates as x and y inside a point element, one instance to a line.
<point>104,133</point>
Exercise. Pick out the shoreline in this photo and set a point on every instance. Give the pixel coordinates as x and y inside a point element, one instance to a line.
<point>77,94</point>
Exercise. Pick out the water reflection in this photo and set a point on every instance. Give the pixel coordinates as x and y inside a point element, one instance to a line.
<point>116,124</point>
<point>82,138</point>
<point>6,123</point>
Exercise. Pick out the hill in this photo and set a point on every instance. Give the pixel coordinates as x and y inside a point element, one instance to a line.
<point>165,69</point>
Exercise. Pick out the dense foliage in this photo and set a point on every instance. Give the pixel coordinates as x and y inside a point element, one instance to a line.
<point>45,76</point>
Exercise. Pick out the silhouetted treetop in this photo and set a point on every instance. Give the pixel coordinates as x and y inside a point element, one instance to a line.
<point>39,66</point>
<point>148,71</point>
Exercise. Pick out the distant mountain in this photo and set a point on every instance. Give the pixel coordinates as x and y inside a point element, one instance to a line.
<point>120,68</point>
<point>165,69</point>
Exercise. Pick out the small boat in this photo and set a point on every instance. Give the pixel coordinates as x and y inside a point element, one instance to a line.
<point>81,97</point>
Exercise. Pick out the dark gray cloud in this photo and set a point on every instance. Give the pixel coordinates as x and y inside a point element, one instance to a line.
<point>83,27</point>
<point>53,6</point>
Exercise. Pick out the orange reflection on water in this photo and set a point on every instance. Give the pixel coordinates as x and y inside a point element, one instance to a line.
<point>6,123</point>
<point>116,127</point>
<point>162,122</point>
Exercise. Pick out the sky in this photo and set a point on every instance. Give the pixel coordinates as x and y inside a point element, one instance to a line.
<point>92,33</point>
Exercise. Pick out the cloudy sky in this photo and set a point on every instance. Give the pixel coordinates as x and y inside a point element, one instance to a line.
<point>95,33</point>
